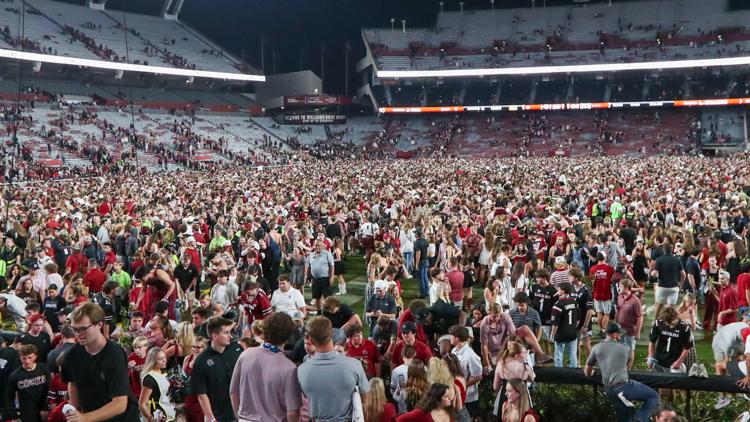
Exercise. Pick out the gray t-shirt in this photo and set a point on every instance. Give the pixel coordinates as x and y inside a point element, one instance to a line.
<point>729,337</point>
<point>328,380</point>
<point>612,358</point>
<point>320,264</point>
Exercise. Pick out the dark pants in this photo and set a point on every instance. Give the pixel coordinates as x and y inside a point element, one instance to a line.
<point>321,287</point>
<point>633,391</point>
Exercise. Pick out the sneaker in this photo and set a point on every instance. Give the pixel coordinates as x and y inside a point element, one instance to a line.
<point>338,293</point>
<point>722,403</point>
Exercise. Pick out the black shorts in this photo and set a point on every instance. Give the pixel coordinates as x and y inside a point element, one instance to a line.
<point>321,287</point>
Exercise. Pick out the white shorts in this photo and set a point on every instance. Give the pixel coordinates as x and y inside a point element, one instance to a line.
<point>602,306</point>
<point>667,295</point>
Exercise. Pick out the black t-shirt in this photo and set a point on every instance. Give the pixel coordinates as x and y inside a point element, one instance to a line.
<point>585,302</point>
<point>10,360</point>
<point>565,316</point>
<point>109,308</point>
<point>153,403</point>
<point>186,275</point>
<point>628,239</point>
<point>339,318</point>
<point>31,388</point>
<point>100,378</point>
<point>669,341</point>
<point>42,342</point>
<point>669,268</point>
<point>51,308</point>
<point>212,374</point>
<point>421,245</point>
<point>542,299</point>
<point>693,267</point>
<point>444,316</point>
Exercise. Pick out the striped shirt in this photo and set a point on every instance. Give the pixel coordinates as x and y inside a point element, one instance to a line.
<point>530,319</point>
<point>558,277</point>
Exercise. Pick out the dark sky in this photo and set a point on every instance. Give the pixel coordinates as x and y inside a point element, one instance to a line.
<point>295,30</point>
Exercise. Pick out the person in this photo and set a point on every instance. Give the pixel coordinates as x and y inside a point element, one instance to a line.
<point>375,406</point>
<point>726,345</point>
<point>728,301</point>
<point>105,298</point>
<point>669,343</point>
<point>224,292</point>
<point>340,314</point>
<point>471,366</point>
<point>629,316</point>
<point>154,402</point>
<point>665,413</point>
<point>96,371</point>
<point>381,303</point>
<point>399,376</point>
<point>668,268</point>
<point>585,302</point>
<point>212,371</point>
<point>68,340</point>
<point>517,408</point>
<point>565,318</point>
<point>287,299</point>
<point>409,338</point>
<point>417,383</point>
<point>339,266</point>
<point>422,261</point>
<point>330,400</point>
<point>193,411</point>
<point>602,273</point>
<point>525,316</point>
<point>53,304</point>
<point>157,287</point>
<point>435,406</point>
<point>493,333</point>
<point>543,296</point>
<point>358,347</point>
<point>28,386</point>
<point>37,336</point>
<point>513,363</point>
<point>278,397</point>
<point>456,281</point>
<point>320,267</point>
<point>10,360</point>
<point>255,304</point>
<point>613,359</point>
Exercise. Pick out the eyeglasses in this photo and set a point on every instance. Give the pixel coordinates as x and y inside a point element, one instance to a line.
<point>81,330</point>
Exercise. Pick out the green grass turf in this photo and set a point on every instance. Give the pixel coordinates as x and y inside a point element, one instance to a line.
<point>356,279</point>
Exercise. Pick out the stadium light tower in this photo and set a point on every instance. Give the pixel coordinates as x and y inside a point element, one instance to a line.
<point>392,21</point>
<point>403,25</point>
<point>462,6</point>
<point>441,7</point>
<point>492,5</point>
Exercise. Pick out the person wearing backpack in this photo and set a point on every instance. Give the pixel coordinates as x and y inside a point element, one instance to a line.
<point>270,260</point>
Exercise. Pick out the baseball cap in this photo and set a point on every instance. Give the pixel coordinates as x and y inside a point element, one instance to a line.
<point>723,273</point>
<point>408,327</point>
<point>560,261</point>
<point>380,285</point>
<point>612,328</point>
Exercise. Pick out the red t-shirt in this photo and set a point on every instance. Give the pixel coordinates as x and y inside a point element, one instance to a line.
<point>77,263</point>
<point>602,274</point>
<point>456,281</point>
<point>57,390</point>
<point>94,280</point>
<point>134,373</point>
<point>367,351</point>
<point>423,353</point>
<point>743,285</point>
<point>56,414</point>
<point>258,308</point>
<point>407,316</point>
<point>728,300</point>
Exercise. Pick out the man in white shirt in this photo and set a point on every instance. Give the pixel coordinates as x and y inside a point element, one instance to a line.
<point>471,366</point>
<point>398,378</point>
<point>287,299</point>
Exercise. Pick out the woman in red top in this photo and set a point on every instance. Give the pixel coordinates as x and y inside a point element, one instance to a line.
<point>157,286</point>
<point>375,406</point>
<point>435,406</point>
<point>193,412</point>
<point>518,408</point>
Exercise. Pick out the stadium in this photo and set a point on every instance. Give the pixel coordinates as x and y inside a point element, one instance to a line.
<point>388,211</point>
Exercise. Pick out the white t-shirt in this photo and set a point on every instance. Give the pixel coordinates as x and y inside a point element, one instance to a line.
<point>729,336</point>
<point>398,386</point>
<point>288,302</point>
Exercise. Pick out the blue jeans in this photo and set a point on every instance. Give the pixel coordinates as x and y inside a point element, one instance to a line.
<point>633,391</point>
<point>572,349</point>
<point>424,280</point>
<point>408,260</point>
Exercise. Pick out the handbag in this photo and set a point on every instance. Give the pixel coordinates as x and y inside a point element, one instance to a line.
<point>358,413</point>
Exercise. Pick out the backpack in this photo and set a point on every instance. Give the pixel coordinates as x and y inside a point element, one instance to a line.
<point>275,251</point>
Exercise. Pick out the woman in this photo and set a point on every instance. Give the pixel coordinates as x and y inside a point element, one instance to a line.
<point>157,286</point>
<point>640,263</point>
<point>467,267</point>
<point>435,406</point>
<point>454,367</point>
<point>25,291</point>
<point>338,265</point>
<point>518,407</point>
<point>493,293</point>
<point>193,411</point>
<point>375,406</point>
<point>182,344</point>
<point>160,332</point>
<point>513,363</point>
<point>416,383</point>
<point>154,403</point>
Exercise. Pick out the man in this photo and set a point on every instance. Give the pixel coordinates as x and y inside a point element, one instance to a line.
<point>561,274</point>
<point>669,343</point>
<point>665,413</point>
<point>320,267</point>
<point>28,386</point>
<point>363,349</point>
<point>726,344</point>
<point>106,300</point>
<point>585,302</point>
<point>212,372</point>
<point>223,292</point>
<point>200,319</point>
<point>693,271</point>
<point>94,278</point>
<point>399,376</point>
<point>53,304</point>
<point>67,342</point>
<point>423,262</point>
<point>340,314</point>
<point>613,359</point>
<point>543,296</point>
<point>727,298</point>
<point>288,299</point>
<point>629,316</point>
<point>10,255</point>
<point>187,275</point>
<point>601,275</point>
<point>409,337</point>
<point>37,336</point>
<point>456,280</point>
<point>565,319</point>
<point>16,308</point>
<point>381,303</point>
<point>524,315</point>
<point>668,269</point>
<point>76,262</point>
<point>96,372</point>
<point>278,397</point>
<point>328,379</point>
<point>471,366</point>
<point>9,361</point>
<point>493,333</point>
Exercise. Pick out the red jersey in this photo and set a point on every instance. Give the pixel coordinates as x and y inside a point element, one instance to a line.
<point>366,351</point>
<point>77,262</point>
<point>134,372</point>
<point>57,390</point>
<point>743,285</point>
<point>257,308</point>
<point>94,280</point>
<point>728,300</point>
<point>601,274</point>
<point>423,353</point>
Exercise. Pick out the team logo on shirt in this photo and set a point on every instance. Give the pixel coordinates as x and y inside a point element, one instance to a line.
<point>210,362</point>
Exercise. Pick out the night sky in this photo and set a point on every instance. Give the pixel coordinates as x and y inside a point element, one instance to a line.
<point>295,31</point>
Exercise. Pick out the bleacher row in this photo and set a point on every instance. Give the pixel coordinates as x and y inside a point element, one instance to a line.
<point>620,32</point>
<point>64,28</point>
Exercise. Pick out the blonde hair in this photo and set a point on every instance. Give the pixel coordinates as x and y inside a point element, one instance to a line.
<point>150,363</point>
<point>140,342</point>
<point>185,336</point>
<point>438,373</point>
<point>374,401</point>
<point>523,395</point>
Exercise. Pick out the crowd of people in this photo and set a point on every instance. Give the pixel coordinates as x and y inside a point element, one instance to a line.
<point>186,288</point>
